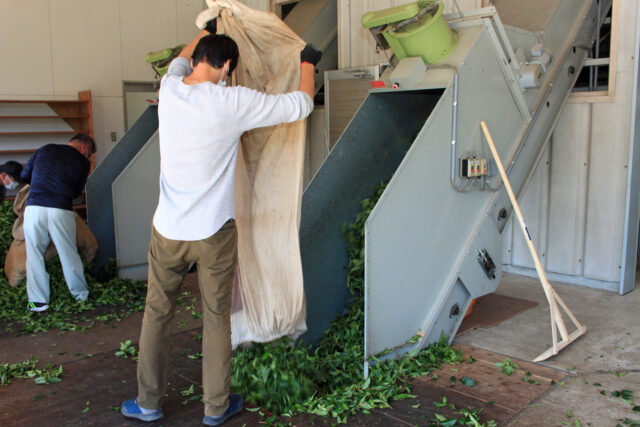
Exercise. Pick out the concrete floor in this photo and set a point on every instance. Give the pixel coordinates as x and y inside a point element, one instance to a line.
<point>609,353</point>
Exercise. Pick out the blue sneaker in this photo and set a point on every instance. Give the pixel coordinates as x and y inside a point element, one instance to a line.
<point>235,405</point>
<point>131,409</point>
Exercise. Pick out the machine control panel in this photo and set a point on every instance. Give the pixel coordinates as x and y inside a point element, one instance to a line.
<point>474,167</point>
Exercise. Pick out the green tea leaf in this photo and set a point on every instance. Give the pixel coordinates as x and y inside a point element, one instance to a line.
<point>468,381</point>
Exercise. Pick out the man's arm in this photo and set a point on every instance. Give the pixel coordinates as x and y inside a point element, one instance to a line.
<point>256,109</point>
<point>309,58</point>
<point>187,51</point>
<point>307,79</point>
<point>27,171</point>
<point>82,182</point>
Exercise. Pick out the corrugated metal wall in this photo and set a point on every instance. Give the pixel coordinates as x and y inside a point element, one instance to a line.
<point>575,202</point>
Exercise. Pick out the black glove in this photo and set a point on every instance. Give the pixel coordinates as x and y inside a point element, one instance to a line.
<point>211,26</point>
<point>311,55</point>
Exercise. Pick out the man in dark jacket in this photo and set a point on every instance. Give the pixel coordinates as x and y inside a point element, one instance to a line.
<point>57,174</point>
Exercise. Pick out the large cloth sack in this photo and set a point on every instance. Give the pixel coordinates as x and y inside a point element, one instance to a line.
<point>268,292</point>
<point>15,262</point>
<point>15,265</point>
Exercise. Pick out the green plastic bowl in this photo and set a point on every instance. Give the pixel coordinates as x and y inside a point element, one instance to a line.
<point>430,38</point>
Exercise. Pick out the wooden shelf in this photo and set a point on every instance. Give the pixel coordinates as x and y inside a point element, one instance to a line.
<point>25,151</point>
<point>45,117</point>
<point>44,132</point>
<point>77,113</point>
<point>33,101</point>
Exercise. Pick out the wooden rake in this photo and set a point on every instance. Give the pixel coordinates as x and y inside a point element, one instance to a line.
<point>557,322</point>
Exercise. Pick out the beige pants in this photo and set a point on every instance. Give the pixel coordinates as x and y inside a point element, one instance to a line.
<point>169,260</point>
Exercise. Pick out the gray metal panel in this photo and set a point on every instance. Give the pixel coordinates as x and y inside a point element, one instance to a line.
<point>630,248</point>
<point>99,199</point>
<point>135,197</point>
<point>368,152</point>
<point>422,237</point>
<point>420,233</point>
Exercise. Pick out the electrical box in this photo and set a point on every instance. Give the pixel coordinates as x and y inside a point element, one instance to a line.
<point>473,167</point>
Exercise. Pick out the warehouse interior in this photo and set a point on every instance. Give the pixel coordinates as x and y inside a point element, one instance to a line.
<point>556,82</point>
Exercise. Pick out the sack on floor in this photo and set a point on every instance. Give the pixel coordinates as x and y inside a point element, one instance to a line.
<point>86,240</point>
<point>19,203</point>
<point>15,261</point>
<point>269,293</point>
<point>15,266</point>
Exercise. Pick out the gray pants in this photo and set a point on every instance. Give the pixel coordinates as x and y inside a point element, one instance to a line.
<point>41,226</point>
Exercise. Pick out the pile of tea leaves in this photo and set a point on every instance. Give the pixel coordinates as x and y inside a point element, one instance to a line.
<point>110,298</point>
<point>285,378</point>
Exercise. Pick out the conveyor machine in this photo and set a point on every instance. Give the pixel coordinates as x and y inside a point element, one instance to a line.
<point>433,242</point>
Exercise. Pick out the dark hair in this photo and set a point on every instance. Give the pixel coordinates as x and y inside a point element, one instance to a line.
<point>85,139</point>
<point>215,50</point>
<point>13,169</point>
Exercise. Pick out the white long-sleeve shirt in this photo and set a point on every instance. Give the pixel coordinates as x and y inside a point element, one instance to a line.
<point>200,129</point>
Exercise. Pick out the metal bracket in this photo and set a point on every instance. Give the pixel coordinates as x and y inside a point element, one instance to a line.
<point>487,264</point>
<point>502,45</point>
<point>507,64</point>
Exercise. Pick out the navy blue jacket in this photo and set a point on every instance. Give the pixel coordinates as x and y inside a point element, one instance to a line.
<point>57,174</point>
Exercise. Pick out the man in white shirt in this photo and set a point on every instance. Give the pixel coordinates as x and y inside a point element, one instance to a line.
<point>201,122</point>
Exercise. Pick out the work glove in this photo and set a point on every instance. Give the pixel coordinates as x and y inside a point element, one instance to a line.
<point>311,55</point>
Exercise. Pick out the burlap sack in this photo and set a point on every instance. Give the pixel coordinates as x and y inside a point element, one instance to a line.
<point>268,182</point>
<point>15,261</point>
<point>19,203</point>
<point>15,267</point>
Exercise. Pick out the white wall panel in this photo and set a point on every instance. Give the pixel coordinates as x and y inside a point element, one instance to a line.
<point>257,4</point>
<point>85,45</point>
<point>187,10</point>
<point>626,36</point>
<point>507,242</point>
<point>52,49</point>
<point>145,26</point>
<point>25,49</point>
<point>110,109</point>
<point>607,183</point>
<point>568,190</point>
<point>534,204</point>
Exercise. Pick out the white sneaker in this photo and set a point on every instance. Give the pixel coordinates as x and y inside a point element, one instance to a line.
<point>37,306</point>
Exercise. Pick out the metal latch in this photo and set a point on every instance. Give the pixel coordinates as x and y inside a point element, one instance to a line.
<point>487,263</point>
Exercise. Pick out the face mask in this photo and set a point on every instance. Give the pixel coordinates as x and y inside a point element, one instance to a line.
<point>12,185</point>
<point>223,79</point>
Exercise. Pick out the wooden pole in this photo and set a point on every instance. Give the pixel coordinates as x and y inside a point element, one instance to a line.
<point>550,293</point>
